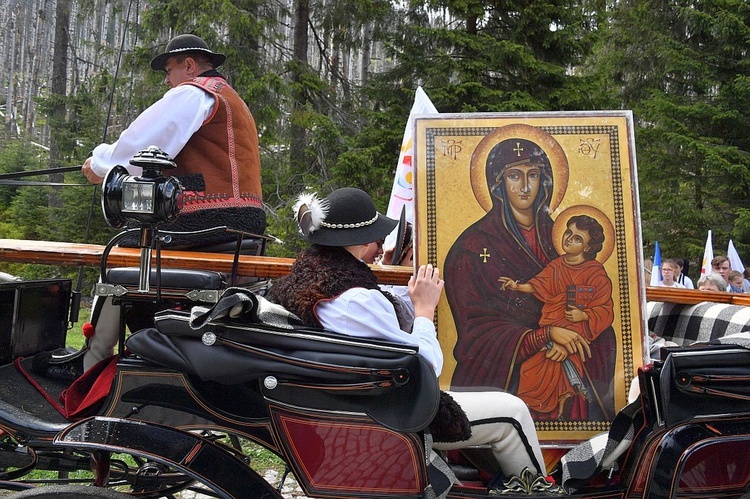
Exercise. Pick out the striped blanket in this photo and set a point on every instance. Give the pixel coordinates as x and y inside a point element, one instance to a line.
<point>687,324</point>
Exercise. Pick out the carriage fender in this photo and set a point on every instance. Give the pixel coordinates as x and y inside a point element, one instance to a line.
<point>191,454</point>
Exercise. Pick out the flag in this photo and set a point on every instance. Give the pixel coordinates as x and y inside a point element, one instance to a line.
<point>402,194</point>
<point>656,271</point>
<point>734,258</point>
<point>708,255</point>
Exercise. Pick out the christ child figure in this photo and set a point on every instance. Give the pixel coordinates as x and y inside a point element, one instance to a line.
<point>577,296</point>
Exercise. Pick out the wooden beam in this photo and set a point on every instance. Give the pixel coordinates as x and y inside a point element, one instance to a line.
<point>75,254</point>
<point>693,296</point>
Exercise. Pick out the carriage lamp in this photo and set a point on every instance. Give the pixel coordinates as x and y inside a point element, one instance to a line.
<point>146,200</point>
<point>149,198</point>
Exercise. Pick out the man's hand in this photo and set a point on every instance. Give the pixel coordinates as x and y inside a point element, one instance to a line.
<point>89,173</point>
<point>425,289</point>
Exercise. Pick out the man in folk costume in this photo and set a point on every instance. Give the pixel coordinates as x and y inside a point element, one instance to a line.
<point>208,129</point>
<point>331,287</point>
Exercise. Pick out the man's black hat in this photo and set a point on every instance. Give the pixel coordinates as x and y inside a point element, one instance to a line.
<point>186,44</point>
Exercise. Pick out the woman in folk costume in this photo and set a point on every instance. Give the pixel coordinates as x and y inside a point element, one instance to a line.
<point>331,287</point>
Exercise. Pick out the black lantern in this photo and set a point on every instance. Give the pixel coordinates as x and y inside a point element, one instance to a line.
<point>147,199</point>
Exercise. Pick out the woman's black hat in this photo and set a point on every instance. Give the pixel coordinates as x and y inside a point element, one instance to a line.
<point>346,217</point>
<point>186,44</point>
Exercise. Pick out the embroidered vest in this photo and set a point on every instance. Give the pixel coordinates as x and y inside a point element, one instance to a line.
<point>224,151</point>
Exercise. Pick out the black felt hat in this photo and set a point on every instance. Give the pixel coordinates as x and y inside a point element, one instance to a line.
<point>186,44</point>
<point>404,240</point>
<point>346,217</point>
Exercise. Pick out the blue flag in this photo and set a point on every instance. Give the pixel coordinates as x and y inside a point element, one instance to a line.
<point>656,272</point>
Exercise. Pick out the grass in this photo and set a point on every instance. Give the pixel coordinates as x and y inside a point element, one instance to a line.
<point>74,338</point>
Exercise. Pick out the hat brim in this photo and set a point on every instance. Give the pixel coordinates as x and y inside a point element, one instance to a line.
<point>159,62</point>
<point>400,236</point>
<point>352,237</point>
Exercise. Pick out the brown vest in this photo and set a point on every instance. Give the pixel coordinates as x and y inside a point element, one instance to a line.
<point>224,151</point>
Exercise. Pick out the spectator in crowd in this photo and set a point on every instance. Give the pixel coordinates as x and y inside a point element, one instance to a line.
<point>720,265</point>
<point>736,281</point>
<point>682,278</point>
<point>669,272</point>
<point>711,282</point>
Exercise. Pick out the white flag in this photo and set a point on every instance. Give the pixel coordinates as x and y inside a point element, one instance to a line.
<point>734,258</point>
<point>402,194</point>
<point>708,255</point>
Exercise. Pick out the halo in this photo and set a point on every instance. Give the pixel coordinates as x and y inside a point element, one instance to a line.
<point>561,223</point>
<point>544,140</point>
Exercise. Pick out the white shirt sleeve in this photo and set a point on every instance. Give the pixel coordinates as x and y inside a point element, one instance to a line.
<point>366,313</point>
<point>401,294</point>
<point>168,124</point>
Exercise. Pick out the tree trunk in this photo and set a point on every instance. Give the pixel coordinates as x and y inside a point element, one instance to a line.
<point>58,87</point>
<point>366,53</point>
<point>298,135</point>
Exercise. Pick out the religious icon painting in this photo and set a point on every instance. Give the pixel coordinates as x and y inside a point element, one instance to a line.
<point>534,220</point>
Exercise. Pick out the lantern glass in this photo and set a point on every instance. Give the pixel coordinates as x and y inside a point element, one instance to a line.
<point>138,197</point>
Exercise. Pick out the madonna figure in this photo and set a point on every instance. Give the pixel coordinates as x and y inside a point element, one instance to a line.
<point>498,331</point>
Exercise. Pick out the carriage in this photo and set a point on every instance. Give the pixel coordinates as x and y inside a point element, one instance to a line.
<point>220,367</point>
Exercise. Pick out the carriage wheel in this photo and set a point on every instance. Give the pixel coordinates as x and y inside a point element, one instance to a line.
<point>71,492</point>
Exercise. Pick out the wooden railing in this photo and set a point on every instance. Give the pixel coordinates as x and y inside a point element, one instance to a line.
<point>74,254</point>
<point>692,296</point>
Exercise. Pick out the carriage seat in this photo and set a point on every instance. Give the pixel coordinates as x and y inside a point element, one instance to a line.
<point>170,278</point>
<point>295,364</point>
<point>704,381</point>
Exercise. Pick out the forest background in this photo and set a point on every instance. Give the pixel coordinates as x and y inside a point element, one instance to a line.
<point>331,83</point>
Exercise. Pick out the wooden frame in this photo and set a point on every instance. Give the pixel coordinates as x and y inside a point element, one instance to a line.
<point>582,163</point>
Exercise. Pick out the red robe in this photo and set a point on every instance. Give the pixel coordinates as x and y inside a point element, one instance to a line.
<point>543,384</point>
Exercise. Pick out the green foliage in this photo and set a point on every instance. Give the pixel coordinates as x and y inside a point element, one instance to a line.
<point>491,58</point>
<point>680,66</point>
<point>17,156</point>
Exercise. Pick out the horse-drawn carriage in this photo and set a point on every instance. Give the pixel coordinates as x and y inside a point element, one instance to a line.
<point>222,366</point>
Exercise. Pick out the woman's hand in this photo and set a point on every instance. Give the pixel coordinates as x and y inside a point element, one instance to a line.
<point>573,342</point>
<point>425,288</point>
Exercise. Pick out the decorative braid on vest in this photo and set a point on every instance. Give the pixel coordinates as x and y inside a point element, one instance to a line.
<point>322,273</point>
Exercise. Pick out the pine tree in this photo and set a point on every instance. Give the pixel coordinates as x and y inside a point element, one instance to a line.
<point>682,67</point>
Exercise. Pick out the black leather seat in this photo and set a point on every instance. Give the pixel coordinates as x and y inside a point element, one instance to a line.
<point>170,278</point>
<point>704,381</point>
<point>304,367</point>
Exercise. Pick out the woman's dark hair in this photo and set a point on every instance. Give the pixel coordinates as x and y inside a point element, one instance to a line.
<point>595,230</point>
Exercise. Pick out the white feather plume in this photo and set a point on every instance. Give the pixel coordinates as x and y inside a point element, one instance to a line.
<point>310,211</point>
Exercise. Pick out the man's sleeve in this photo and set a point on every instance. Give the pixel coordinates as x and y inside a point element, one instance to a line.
<point>366,313</point>
<point>168,124</point>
